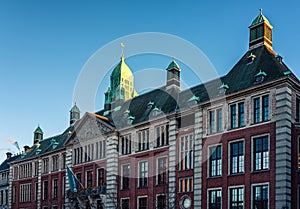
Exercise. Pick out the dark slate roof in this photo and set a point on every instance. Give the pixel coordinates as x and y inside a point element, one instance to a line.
<point>46,145</point>
<point>241,76</point>
<point>5,164</point>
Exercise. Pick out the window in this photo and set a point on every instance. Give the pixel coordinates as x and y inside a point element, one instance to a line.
<point>237,115</point>
<point>78,176</point>
<point>89,179</point>
<point>298,153</point>
<point>261,109</point>
<point>236,198</point>
<point>63,187</point>
<point>237,157</point>
<point>14,194</point>
<point>214,199</point>
<point>26,170</point>
<point>16,172</point>
<point>45,190</point>
<point>161,175</point>
<point>55,163</point>
<point>100,149</point>
<point>64,159</point>
<point>215,161</point>
<point>143,174</point>
<point>260,197</point>
<point>25,192</point>
<point>186,152</point>
<point>162,135</point>
<point>261,153</point>
<point>54,188</point>
<point>142,203</point>
<point>297,115</point>
<point>256,33</point>
<point>125,176</point>
<point>161,202</point>
<point>36,168</point>
<point>101,180</point>
<point>215,121</point>
<point>125,204</point>
<point>126,145</point>
<point>186,184</point>
<point>143,140</point>
<point>46,165</point>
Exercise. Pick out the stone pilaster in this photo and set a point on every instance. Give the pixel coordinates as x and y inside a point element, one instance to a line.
<point>172,163</point>
<point>10,178</point>
<point>283,147</point>
<point>112,173</point>
<point>39,192</point>
<point>198,159</point>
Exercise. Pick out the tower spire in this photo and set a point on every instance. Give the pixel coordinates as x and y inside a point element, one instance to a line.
<point>122,48</point>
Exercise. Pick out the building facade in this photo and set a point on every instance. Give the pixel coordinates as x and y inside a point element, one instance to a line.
<point>232,142</point>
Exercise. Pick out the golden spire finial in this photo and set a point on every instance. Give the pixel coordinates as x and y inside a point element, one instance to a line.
<point>122,48</point>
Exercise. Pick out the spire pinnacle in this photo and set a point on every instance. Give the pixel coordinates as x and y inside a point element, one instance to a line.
<point>122,48</point>
<point>260,11</point>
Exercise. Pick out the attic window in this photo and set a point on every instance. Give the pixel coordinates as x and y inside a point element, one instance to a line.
<point>37,151</point>
<point>23,154</point>
<point>260,76</point>
<point>223,88</point>
<point>130,119</point>
<point>193,100</point>
<point>126,113</point>
<point>150,105</point>
<point>251,58</point>
<point>54,143</point>
<point>279,58</point>
<point>155,112</point>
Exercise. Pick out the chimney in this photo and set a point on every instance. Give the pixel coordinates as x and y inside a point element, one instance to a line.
<point>8,155</point>
<point>26,148</point>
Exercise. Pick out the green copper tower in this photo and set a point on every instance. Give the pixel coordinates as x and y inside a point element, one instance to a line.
<point>121,83</point>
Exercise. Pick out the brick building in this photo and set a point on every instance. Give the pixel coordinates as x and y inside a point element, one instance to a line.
<point>229,143</point>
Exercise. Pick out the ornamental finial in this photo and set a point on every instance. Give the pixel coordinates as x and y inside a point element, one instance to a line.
<point>122,48</point>
<point>260,10</point>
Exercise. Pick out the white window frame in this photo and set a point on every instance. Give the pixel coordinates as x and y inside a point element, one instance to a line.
<point>141,161</point>
<point>86,179</point>
<point>260,97</point>
<point>125,198</point>
<point>232,187</point>
<point>139,197</point>
<point>207,195</point>
<point>189,186</point>
<point>208,159</point>
<point>156,171</point>
<point>156,200</point>
<point>191,136</point>
<point>211,131</point>
<point>237,118</point>
<point>122,173</point>
<point>229,156</point>
<point>260,184</point>
<point>252,152</point>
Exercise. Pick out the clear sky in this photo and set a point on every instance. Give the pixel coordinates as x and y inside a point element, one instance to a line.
<point>44,44</point>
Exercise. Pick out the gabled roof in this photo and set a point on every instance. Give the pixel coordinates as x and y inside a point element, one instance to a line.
<point>240,77</point>
<point>5,165</point>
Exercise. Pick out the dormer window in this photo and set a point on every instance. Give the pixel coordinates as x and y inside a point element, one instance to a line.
<point>126,113</point>
<point>150,105</point>
<point>155,112</point>
<point>193,100</point>
<point>130,119</point>
<point>54,143</point>
<point>223,88</point>
<point>250,58</point>
<point>260,76</point>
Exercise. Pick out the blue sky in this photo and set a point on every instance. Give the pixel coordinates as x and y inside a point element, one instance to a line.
<point>45,44</point>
